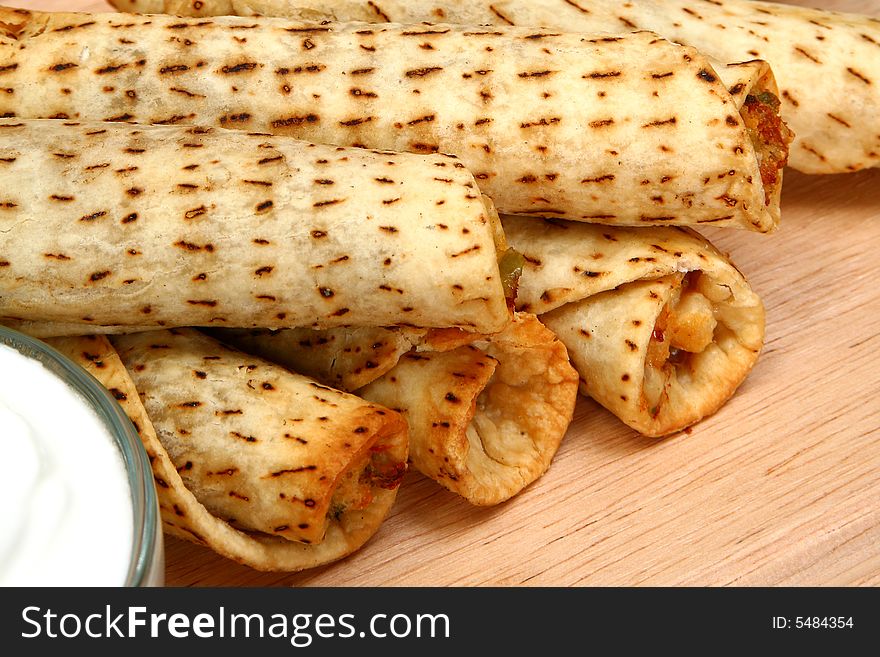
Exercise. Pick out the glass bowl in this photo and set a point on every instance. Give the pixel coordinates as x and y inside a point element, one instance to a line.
<point>146,565</point>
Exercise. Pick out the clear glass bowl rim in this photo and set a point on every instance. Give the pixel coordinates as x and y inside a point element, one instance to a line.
<point>145,506</point>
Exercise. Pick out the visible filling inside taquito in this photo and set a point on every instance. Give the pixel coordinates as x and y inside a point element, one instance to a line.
<point>482,431</point>
<point>510,261</point>
<point>480,425</point>
<point>769,136</point>
<point>490,435</point>
<point>484,428</point>
<point>689,321</point>
<point>378,467</point>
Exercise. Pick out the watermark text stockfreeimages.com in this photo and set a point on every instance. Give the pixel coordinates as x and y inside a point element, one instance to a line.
<point>300,630</point>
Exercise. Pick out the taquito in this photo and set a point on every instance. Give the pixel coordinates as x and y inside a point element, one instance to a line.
<point>624,130</point>
<point>162,226</point>
<point>827,63</point>
<point>486,416</point>
<point>263,466</point>
<point>661,326</point>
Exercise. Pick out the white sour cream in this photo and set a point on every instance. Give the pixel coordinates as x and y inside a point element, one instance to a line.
<point>65,505</point>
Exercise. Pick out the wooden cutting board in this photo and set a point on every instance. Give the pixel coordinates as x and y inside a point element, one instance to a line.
<point>782,486</point>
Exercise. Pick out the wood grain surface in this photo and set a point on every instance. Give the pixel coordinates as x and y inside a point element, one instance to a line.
<point>781,487</point>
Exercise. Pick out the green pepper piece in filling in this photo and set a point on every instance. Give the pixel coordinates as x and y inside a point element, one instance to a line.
<point>768,98</point>
<point>511,267</point>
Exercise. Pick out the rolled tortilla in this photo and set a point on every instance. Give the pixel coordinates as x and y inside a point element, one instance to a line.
<point>660,325</point>
<point>211,464</point>
<point>827,63</point>
<point>115,224</point>
<point>347,358</point>
<point>485,416</point>
<point>597,128</point>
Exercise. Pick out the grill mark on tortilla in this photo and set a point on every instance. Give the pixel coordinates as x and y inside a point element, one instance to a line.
<point>654,124</point>
<point>242,117</point>
<point>706,76</point>
<point>93,216</point>
<point>839,120</point>
<point>425,119</point>
<point>174,68</point>
<point>608,177</point>
<point>378,11</point>
<point>541,122</point>
<point>812,150</point>
<point>424,32</point>
<point>360,93</point>
<point>577,6</point>
<point>855,73</point>
<point>422,72</point>
<point>305,29</point>
<point>791,99</point>
<point>420,147</point>
<point>803,52</point>
<point>172,120</point>
<point>295,120</point>
<point>67,28</point>
<point>472,249</point>
<point>495,11</point>
<point>356,122</point>
<point>110,69</point>
<point>190,246</point>
<point>305,468</point>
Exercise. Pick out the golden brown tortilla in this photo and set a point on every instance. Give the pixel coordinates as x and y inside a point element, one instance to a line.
<point>827,63</point>
<point>162,226</point>
<point>589,127</point>
<point>486,413</point>
<point>660,325</point>
<point>186,517</point>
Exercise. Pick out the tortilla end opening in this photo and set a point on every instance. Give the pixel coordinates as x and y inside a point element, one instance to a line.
<point>517,420</point>
<point>687,369</point>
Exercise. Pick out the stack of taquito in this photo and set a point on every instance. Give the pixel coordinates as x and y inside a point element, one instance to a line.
<point>378,272</point>
<point>624,130</point>
<point>144,229</point>
<point>486,416</point>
